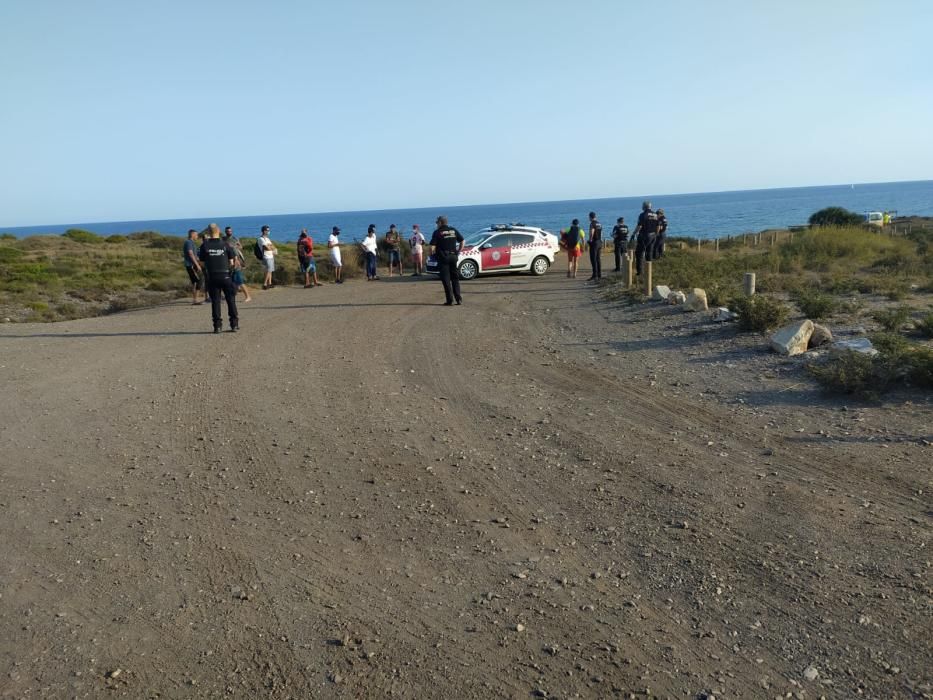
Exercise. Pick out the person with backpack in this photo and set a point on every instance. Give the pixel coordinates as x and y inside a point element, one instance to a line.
<point>306,259</point>
<point>619,241</point>
<point>573,242</point>
<point>218,259</point>
<point>266,247</point>
<point>645,232</point>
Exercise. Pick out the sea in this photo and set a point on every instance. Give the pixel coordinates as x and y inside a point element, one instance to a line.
<point>702,215</point>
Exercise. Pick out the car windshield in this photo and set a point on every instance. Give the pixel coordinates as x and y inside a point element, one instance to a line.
<point>476,238</point>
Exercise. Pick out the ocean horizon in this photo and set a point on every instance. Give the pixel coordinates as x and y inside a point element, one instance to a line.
<point>702,215</point>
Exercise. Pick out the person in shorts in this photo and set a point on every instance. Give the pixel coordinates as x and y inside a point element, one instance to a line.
<point>306,259</point>
<point>417,242</point>
<point>333,247</point>
<point>193,265</point>
<point>269,251</point>
<point>238,264</point>
<point>394,249</point>
<point>573,242</point>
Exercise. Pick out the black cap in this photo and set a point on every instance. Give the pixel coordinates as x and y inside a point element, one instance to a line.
<point>335,230</point>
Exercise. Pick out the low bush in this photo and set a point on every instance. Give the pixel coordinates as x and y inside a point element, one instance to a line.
<point>836,216</point>
<point>79,235</point>
<point>925,326</point>
<point>759,313</point>
<point>116,238</point>
<point>815,304</point>
<point>892,320</point>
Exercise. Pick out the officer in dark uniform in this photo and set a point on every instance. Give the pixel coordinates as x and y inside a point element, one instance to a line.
<point>660,239</point>
<point>446,243</point>
<point>645,232</point>
<point>596,247</point>
<point>619,241</point>
<point>218,258</point>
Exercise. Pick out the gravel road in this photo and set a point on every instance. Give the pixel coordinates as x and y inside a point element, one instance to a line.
<point>365,494</point>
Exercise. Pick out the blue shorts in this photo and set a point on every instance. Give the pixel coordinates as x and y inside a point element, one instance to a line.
<point>307,266</point>
<point>394,256</point>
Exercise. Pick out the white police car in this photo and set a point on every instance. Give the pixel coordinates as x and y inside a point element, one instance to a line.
<point>504,248</point>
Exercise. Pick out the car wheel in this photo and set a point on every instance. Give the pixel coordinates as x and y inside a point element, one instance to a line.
<point>539,265</point>
<point>467,270</point>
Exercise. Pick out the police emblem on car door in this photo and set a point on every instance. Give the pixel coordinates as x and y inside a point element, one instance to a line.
<point>496,253</point>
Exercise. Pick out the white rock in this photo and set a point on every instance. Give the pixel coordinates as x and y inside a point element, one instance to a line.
<point>661,292</point>
<point>862,345</point>
<point>723,314</point>
<point>792,339</point>
<point>676,298</point>
<point>810,673</point>
<point>696,301</point>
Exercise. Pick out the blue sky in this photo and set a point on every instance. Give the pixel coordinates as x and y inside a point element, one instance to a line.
<point>121,110</point>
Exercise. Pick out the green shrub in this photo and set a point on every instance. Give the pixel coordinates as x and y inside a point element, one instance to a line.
<point>7,237</point>
<point>8,254</point>
<point>759,313</point>
<point>116,238</point>
<point>815,304</point>
<point>892,320</point>
<point>81,236</point>
<point>836,216</point>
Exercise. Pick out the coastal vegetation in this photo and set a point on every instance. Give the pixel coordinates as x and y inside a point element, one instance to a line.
<point>835,216</point>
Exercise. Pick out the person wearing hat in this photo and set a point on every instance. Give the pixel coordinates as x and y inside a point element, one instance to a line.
<point>218,259</point>
<point>333,245</point>
<point>446,244</point>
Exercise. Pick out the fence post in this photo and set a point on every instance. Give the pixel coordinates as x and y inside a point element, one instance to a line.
<point>698,243</point>
<point>717,245</point>
<point>648,277</point>
<point>629,270</point>
<point>748,284</point>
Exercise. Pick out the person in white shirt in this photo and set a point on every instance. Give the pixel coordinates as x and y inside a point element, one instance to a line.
<point>269,252</point>
<point>370,247</point>
<point>417,242</point>
<point>333,245</point>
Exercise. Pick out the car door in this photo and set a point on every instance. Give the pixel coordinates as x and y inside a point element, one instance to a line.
<point>496,253</point>
<point>521,250</point>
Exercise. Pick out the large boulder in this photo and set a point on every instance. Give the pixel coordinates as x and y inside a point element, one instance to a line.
<point>792,339</point>
<point>696,301</point>
<point>676,298</point>
<point>821,336</point>
<point>862,345</point>
<point>661,292</point>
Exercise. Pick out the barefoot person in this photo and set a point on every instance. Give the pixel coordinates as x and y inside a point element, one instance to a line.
<point>218,259</point>
<point>417,242</point>
<point>333,246</point>
<point>445,247</point>
<point>573,241</point>
<point>269,251</point>
<point>193,265</point>
<point>370,246</point>
<point>237,274</point>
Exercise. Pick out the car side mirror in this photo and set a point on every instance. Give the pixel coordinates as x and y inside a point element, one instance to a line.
<point>485,246</point>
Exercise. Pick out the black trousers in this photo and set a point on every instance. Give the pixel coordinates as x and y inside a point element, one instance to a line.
<point>658,246</point>
<point>225,286</point>
<point>596,250</point>
<point>447,268</point>
<point>644,250</point>
<point>618,251</point>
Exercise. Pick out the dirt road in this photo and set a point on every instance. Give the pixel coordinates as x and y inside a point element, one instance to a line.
<point>365,493</point>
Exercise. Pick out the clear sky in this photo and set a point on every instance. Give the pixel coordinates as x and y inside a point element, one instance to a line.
<point>124,110</point>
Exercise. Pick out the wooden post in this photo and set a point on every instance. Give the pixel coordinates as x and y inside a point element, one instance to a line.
<point>748,284</point>
<point>773,239</point>
<point>629,270</point>
<point>745,240</point>
<point>648,277</point>
<point>698,243</point>
<point>717,245</point>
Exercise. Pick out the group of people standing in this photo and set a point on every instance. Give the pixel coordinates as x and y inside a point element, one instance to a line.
<point>649,237</point>
<point>215,267</point>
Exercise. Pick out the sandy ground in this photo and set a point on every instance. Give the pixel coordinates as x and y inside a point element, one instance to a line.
<point>367,494</point>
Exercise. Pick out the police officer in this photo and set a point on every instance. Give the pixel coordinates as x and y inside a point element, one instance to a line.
<point>619,241</point>
<point>596,247</point>
<point>446,243</point>
<point>645,231</point>
<point>218,258</point>
<point>660,239</point>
